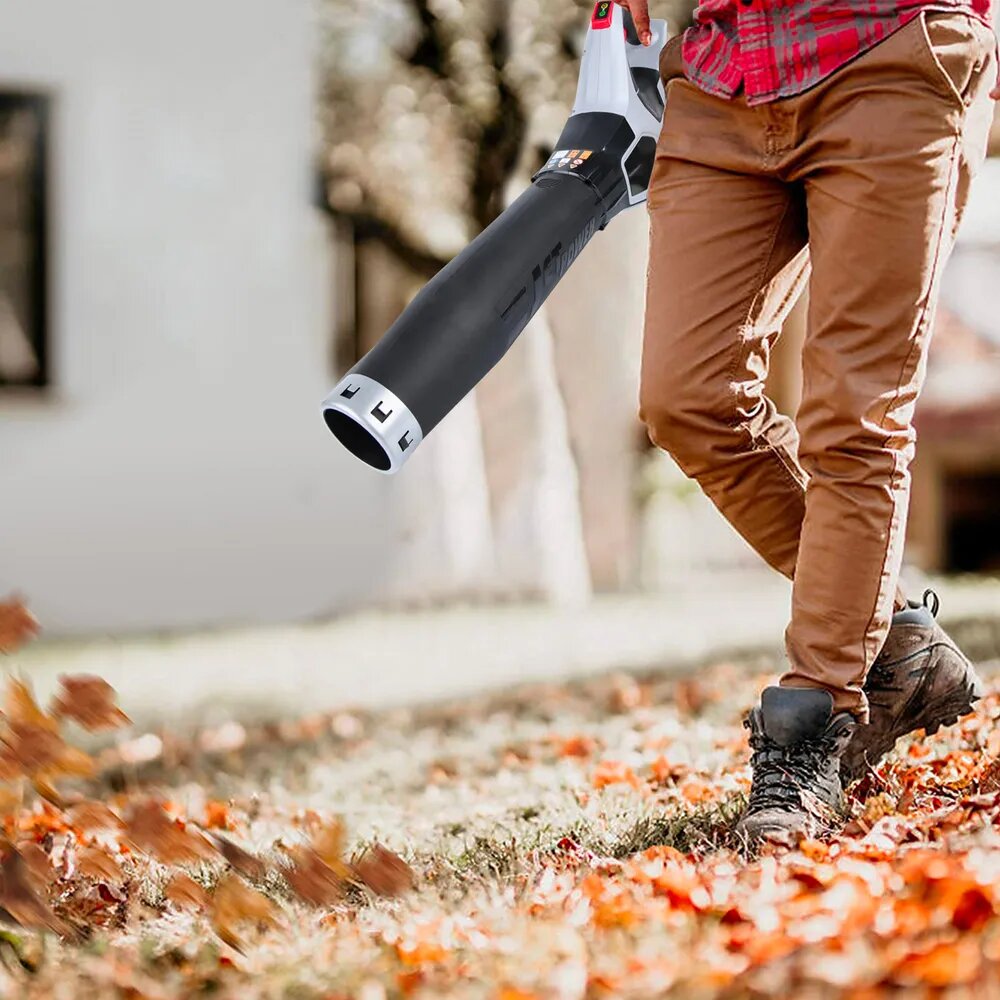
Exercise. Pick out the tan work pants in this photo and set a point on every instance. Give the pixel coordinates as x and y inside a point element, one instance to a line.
<point>864,177</point>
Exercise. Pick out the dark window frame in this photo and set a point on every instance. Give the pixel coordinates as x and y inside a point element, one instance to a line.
<point>40,104</point>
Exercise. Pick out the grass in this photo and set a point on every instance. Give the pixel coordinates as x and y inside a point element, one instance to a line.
<point>532,821</point>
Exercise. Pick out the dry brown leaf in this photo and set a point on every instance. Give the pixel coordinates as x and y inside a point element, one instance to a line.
<point>17,625</point>
<point>312,879</point>
<point>98,864</point>
<point>235,904</point>
<point>384,872</point>
<point>38,865</point>
<point>38,750</point>
<point>90,701</point>
<point>153,832</point>
<point>93,817</point>
<point>319,873</point>
<point>19,896</point>
<point>247,864</point>
<point>183,891</point>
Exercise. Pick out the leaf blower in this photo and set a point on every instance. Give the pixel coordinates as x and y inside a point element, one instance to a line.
<point>465,319</point>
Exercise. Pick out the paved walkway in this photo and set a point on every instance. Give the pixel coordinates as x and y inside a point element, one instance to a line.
<point>386,658</point>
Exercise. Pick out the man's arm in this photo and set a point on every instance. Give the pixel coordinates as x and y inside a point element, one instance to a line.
<point>639,10</point>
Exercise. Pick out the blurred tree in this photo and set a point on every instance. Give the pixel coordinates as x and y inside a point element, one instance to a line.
<point>431,107</point>
<point>434,114</point>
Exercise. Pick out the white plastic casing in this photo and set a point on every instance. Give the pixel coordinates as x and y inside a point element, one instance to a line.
<point>606,83</point>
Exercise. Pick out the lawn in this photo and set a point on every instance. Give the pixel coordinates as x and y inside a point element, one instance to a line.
<point>555,841</point>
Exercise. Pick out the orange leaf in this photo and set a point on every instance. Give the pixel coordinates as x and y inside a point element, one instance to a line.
<point>614,772</point>
<point>575,746</point>
<point>20,706</point>
<point>696,792</point>
<point>973,909</point>
<point>949,963</point>
<point>217,815</point>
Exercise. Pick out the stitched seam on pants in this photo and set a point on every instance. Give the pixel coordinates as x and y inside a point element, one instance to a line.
<point>921,323</point>
<point>790,472</point>
<point>794,473</point>
<point>735,421</point>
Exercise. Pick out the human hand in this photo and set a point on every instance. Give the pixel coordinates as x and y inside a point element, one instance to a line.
<point>639,10</point>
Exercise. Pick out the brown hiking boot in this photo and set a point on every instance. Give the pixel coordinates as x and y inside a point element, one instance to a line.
<point>921,680</point>
<point>797,744</point>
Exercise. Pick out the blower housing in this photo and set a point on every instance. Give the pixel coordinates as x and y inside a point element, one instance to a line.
<point>467,317</point>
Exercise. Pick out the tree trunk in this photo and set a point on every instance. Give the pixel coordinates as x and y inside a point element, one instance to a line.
<point>531,474</point>
<point>596,315</point>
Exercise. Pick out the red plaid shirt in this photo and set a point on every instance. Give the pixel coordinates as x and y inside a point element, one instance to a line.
<point>775,48</point>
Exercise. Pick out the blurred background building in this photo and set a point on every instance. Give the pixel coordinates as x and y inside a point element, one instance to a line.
<point>209,211</point>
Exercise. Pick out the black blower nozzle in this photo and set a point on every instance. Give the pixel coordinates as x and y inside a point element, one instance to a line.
<point>465,319</point>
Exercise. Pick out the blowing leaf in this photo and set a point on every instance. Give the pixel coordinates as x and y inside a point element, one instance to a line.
<point>90,701</point>
<point>244,862</point>
<point>383,872</point>
<point>152,831</point>
<point>236,905</point>
<point>19,897</point>
<point>17,625</point>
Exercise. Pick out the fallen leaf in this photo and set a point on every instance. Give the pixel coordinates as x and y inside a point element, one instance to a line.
<point>153,832</point>
<point>183,891</point>
<point>235,904</point>
<point>383,872</point>
<point>93,817</point>
<point>247,864</point>
<point>98,864</point>
<point>614,772</point>
<point>575,746</point>
<point>20,898</point>
<point>948,963</point>
<point>39,750</point>
<point>312,879</point>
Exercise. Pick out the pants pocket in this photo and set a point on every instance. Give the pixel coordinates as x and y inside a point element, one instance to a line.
<point>957,49</point>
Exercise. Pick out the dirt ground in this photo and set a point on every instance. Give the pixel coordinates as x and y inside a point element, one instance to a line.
<point>562,840</point>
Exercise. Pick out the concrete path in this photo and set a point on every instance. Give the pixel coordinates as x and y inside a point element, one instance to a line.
<point>379,659</point>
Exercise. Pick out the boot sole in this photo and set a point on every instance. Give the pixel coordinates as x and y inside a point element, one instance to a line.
<point>942,713</point>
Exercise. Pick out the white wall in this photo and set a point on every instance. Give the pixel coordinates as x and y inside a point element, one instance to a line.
<point>179,473</point>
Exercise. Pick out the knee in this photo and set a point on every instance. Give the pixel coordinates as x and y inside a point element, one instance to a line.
<point>683,422</point>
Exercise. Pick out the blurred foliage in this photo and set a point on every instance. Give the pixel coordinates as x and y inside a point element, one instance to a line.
<point>431,109</point>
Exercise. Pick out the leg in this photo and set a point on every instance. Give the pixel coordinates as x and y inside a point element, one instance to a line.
<point>883,206</point>
<point>727,263</point>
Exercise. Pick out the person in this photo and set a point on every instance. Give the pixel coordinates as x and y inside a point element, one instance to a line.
<point>831,142</point>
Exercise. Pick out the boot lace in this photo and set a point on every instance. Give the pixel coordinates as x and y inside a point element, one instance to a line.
<point>780,773</point>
